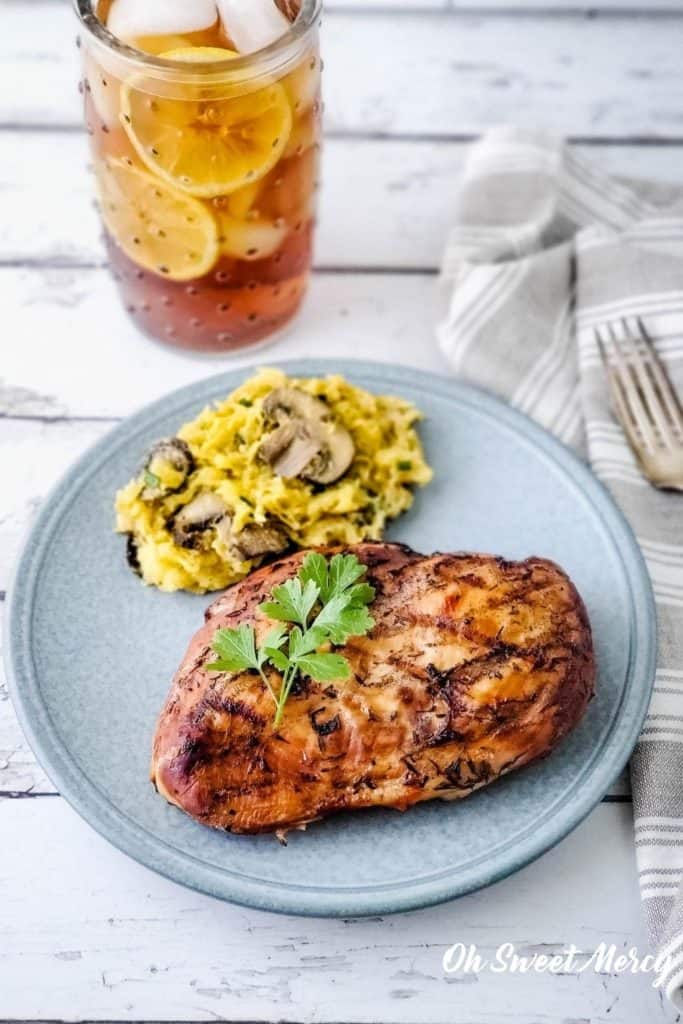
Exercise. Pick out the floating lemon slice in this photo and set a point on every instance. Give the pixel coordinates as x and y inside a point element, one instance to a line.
<point>207,147</point>
<point>158,44</point>
<point>158,227</point>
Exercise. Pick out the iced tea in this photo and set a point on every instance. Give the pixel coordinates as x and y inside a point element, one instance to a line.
<point>206,162</point>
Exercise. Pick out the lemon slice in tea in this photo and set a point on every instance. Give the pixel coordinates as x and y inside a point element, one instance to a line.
<point>158,227</point>
<point>206,146</point>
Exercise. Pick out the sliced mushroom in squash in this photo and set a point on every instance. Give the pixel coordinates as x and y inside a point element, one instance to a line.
<point>306,440</point>
<point>168,466</point>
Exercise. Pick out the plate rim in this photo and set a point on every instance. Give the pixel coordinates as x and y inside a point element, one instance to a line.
<point>83,794</point>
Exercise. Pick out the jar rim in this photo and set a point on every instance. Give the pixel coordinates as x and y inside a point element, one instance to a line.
<point>267,59</point>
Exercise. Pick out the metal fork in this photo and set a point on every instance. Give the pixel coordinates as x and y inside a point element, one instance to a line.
<point>644,400</point>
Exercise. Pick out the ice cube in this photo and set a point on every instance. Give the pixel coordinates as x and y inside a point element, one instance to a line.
<point>252,24</point>
<point>129,19</point>
<point>250,239</point>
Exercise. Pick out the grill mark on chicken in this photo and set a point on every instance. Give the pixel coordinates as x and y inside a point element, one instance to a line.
<point>221,702</point>
<point>475,667</point>
<point>324,728</point>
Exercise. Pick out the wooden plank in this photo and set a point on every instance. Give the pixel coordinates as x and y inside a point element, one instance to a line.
<point>21,776</point>
<point>33,455</point>
<point>403,197</point>
<point>105,367</point>
<point>547,7</point>
<point>108,939</point>
<point>441,73</point>
<point>20,773</point>
<point>550,7</point>
<point>518,7</point>
<point>362,6</point>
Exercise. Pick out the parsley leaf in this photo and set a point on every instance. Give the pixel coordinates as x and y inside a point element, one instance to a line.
<point>314,568</point>
<point>236,649</point>
<point>272,642</point>
<point>292,602</point>
<point>151,479</point>
<point>328,592</point>
<point>324,668</point>
<point>342,572</point>
<point>278,658</point>
<point>303,643</point>
<point>335,577</point>
<point>350,622</point>
<point>361,594</point>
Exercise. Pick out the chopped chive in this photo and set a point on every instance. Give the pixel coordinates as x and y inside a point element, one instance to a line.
<point>151,479</point>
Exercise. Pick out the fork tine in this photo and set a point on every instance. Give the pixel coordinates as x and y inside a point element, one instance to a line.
<point>649,394</point>
<point>661,379</point>
<point>630,395</point>
<point>620,405</point>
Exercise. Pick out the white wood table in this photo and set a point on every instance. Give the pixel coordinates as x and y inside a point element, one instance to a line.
<point>85,933</point>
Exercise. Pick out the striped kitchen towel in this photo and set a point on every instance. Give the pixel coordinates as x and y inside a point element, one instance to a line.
<point>545,246</point>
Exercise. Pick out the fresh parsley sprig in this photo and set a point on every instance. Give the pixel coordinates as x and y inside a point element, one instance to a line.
<point>321,607</point>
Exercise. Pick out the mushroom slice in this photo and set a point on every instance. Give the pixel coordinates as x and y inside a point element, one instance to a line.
<point>133,554</point>
<point>296,455</point>
<point>168,466</point>
<point>277,442</point>
<point>295,404</point>
<point>333,459</point>
<point>258,539</point>
<point>191,521</point>
<point>255,539</point>
<point>307,442</point>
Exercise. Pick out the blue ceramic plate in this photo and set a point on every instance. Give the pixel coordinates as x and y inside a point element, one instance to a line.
<point>91,654</point>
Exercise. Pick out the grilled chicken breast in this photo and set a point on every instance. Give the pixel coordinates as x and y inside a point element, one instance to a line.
<point>475,666</point>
